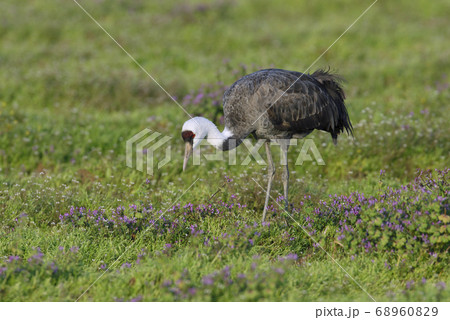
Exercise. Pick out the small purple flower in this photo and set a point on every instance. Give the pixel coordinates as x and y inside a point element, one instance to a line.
<point>226,272</point>
<point>441,285</point>
<point>198,98</point>
<point>279,270</point>
<point>37,258</point>
<point>292,256</point>
<point>167,283</point>
<point>54,267</point>
<point>192,291</point>
<point>74,249</point>
<point>13,258</point>
<point>137,299</point>
<point>409,284</point>
<point>208,280</point>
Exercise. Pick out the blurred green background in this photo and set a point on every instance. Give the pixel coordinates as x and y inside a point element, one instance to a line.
<point>70,97</point>
<point>66,86</point>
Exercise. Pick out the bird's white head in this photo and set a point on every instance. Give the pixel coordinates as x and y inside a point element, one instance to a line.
<point>193,132</point>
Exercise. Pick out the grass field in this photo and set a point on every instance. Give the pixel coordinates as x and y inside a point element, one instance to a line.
<point>71,211</point>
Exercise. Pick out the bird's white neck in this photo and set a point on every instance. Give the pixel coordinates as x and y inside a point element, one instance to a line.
<point>202,128</point>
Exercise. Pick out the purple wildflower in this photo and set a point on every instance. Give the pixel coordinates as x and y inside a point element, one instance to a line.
<point>136,299</point>
<point>74,249</point>
<point>279,270</point>
<point>37,258</point>
<point>409,284</point>
<point>441,285</point>
<point>192,291</point>
<point>208,280</point>
<point>13,258</point>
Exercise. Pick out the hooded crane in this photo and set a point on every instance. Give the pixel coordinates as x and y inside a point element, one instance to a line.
<point>277,105</point>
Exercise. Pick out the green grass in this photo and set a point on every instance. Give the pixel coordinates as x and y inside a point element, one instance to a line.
<point>70,98</point>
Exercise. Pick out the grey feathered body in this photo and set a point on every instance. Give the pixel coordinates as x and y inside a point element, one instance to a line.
<point>255,104</point>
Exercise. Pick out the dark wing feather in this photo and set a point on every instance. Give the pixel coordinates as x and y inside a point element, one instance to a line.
<point>313,102</point>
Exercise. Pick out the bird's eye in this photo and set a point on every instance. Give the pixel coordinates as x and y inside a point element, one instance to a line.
<point>187,135</point>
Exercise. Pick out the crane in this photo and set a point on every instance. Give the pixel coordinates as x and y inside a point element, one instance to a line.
<point>274,105</point>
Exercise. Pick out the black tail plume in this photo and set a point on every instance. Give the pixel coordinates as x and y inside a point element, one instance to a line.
<point>332,83</point>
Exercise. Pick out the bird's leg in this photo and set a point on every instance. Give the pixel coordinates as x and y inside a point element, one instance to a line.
<point>284,145</point>
<point>270,174</point>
